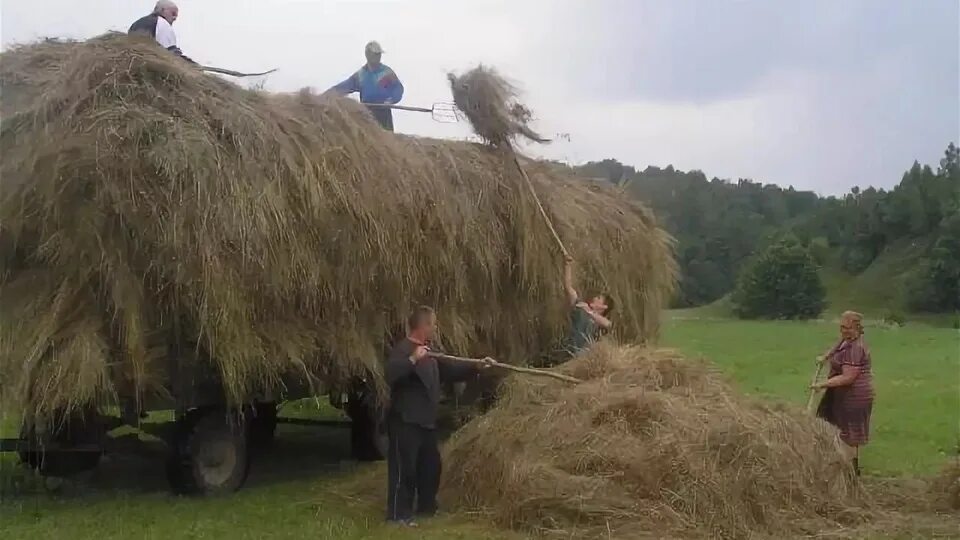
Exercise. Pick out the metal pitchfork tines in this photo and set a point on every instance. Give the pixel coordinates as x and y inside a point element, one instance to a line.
<point>440,112</point>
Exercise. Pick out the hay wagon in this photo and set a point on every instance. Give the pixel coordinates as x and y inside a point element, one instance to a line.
<point>210,444</point>
<point>153,212</point>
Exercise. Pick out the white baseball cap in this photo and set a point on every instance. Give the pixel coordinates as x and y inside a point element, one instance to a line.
<point>374,47</point>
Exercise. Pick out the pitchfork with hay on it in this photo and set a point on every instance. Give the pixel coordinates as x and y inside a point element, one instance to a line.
<point>490,104</point>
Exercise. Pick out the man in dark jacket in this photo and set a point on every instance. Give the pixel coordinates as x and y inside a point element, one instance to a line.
<point>413,459</point>
<point>159,26</point>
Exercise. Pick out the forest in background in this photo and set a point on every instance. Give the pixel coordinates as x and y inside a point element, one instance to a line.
<point>719,224</point>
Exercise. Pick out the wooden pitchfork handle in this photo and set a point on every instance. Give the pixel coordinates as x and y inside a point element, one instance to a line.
<point>398,107</point>
<point>493,363</point>
<point>553,230</point>
<point>233,73</point>
<point>813,391</point>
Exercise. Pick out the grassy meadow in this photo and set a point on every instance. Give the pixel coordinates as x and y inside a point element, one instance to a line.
<point>306,488</point>
<point>916,370</point>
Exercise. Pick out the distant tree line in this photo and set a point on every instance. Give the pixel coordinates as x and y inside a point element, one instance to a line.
<point>720,225</point>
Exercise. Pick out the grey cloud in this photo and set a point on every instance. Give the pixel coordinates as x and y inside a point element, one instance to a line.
<point>693,50</point>
<point>871,85</point>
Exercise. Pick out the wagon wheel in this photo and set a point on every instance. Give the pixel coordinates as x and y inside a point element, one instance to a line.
<point>368,430</point>
<point>210,455</point>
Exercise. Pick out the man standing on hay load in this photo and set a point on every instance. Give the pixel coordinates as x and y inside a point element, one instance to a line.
<point>376,83</point>
<point>159,26</point>
<point>589,318</point>
<point>413,459</point>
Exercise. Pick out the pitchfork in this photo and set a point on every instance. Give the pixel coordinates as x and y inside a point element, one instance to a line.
<point>440,112</point>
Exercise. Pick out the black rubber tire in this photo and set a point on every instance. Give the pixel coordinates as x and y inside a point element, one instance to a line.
<point>377,439</point>
<point>84,429</point>
<point>262,423</point>
<point>368,433</point>
<point>210,454</point>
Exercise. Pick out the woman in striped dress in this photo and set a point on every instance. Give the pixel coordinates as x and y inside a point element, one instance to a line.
<point>848,400</point>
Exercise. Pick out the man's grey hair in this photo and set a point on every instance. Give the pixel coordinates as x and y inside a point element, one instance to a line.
<point>164,4</point>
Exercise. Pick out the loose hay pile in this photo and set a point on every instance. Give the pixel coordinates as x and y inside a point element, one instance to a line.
<point>491,104</point>
<point>145,203</point>
<point>650,444</point>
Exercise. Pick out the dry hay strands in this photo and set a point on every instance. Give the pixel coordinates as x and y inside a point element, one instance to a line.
<point>650,444</point>
<point>944,489</point>
<point>910,507</point>
<point>276,235</point>
<point>491,105</point>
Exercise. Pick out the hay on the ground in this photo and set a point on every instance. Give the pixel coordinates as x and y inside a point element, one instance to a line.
<point>145,203</point>
<point>652,444</point>
<point>492,106</point>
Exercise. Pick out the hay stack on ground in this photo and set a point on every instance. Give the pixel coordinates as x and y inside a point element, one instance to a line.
<point>144,202</point>
<point>651,444</point>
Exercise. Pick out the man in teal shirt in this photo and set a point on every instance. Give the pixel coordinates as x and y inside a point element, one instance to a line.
<point>376,83</point>
<point>588,316</point>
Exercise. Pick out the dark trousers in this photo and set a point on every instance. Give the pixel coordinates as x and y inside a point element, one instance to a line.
<point>413,470</point>
<point>383,116</point>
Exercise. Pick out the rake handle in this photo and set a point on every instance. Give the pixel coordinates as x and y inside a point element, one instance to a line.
<point>813,391</point>
<point>494,363</point>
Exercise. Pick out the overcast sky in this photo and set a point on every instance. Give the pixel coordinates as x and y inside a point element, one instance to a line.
<point>821,95</point>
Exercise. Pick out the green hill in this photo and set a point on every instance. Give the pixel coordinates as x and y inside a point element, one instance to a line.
<point>881,289</point>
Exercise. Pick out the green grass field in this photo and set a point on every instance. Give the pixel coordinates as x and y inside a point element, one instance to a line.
<point>916,373</point>
<point>306,489</point>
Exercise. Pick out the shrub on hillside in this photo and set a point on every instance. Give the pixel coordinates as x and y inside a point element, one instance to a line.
<point>781,282</point>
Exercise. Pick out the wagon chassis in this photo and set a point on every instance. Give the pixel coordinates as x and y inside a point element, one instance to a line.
<point>209,445</point>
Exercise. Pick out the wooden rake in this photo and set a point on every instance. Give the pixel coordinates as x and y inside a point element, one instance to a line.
<point>493,363</point>
<point>813,391</point>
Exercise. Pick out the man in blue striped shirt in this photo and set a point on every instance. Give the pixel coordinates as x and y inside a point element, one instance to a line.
<point>376,83</point>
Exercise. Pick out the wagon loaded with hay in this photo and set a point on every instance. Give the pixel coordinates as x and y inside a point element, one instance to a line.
<point>169,240</point>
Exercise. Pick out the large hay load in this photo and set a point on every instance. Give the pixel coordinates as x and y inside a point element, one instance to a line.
<point>164,232</point>
<point>651,445</point>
